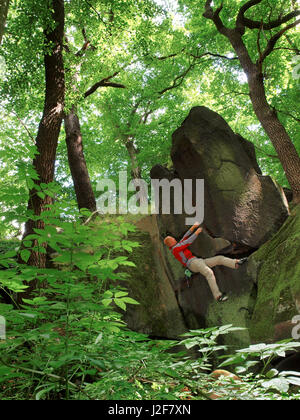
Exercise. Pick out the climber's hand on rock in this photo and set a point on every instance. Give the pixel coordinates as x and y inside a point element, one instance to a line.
<point>198,231</point>
<point>195,226</point>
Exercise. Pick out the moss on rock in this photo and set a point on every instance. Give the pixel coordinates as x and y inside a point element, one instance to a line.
<point>237,312</point>
<point>277,266</point>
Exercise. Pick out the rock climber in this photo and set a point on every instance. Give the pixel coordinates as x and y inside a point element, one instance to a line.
<point>198,265</point>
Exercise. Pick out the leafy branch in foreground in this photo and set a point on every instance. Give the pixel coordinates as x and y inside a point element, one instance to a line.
<point>54,335</point>
<point>268,378</point>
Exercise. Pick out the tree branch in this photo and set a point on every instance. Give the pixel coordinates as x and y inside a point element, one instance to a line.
<point>295,50</point>
<point>293,47</point>
<point>22,123</point>
<point>272,42</point>
<point>215,17</point>
<point>240,21</point>
<point>195,56</point>
<point>258,43</point>
<point>178,80</point>
<point>169,56</point>
<point>95,10</point>
<point>253,24</point>
<point>85,46</point>
<point>214,55</point>
<point>104,83</point>
<point>236,93</point>
<point>289,115</point>
<point>265,153</point>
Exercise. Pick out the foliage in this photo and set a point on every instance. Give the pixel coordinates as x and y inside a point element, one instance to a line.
<point>268,379</point>
<point>265,353</point>
<point>68,340</point>
<point>52,333</point>
<point>207,340</point>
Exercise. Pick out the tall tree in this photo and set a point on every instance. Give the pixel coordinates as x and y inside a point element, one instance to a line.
<point>3,15</point>
<point>82,184</point>
<point>77,163</point>
<point>277,133</point>
<point>50,124</point>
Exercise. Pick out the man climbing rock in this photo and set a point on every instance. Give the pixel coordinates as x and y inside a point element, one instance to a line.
<point>198,265</point>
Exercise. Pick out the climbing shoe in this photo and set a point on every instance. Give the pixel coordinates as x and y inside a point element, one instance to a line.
<point>222,298</point>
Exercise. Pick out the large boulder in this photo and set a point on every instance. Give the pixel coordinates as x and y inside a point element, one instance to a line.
<point>241,206</point>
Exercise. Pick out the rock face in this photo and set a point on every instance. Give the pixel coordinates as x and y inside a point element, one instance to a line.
<point>158,314</point>
<point>275,267</point>
<point>241,206</point>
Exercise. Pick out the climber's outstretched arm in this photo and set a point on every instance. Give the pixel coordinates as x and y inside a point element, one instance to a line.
<point>187,234</point>
<point>190,231</point>
<point>189,237</point>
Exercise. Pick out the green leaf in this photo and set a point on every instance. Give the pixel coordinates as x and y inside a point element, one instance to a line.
<point>95,362</point>
<point>27,243</point>
<point>128,263</point>
<point>279,384</point>
<point>106,302</point>
<point>130,300</point>
<point>113,328</point>
<point>272,373</point>
<point>121,294</point>
<point>120,303</point>
<point>41,194</point>
<point>107,294</point>
<point>44,391</point>
<point>25,255</point>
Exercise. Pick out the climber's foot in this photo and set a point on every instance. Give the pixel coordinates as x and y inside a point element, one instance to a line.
<point>222,298</point>
<point>240,262</point>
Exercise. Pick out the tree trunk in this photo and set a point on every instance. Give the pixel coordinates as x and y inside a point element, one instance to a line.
<point>136,171</point>
<point>276,132</point>
<point>132,151</point>
<point>3,15</point>
<point>284,146</point>
<point>82,183</point>
<point>49,127</point>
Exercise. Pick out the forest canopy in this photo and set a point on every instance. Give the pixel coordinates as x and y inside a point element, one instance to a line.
<point>131,72</point>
